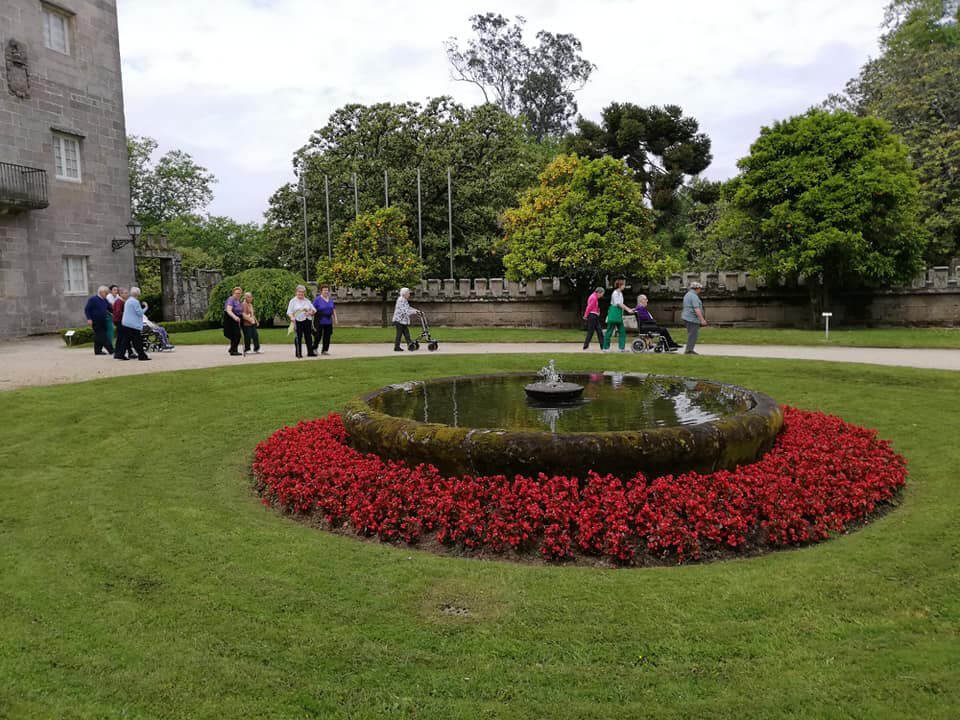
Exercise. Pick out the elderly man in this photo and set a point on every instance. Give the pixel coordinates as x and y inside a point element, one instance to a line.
<point>132,326</point>
<point>97,311</point>
<point>644,318</point>
<point>693,316</point>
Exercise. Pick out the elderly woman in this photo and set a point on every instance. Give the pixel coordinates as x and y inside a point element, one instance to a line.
<point>324,320</point>
<point>232,319</point>
<point>401,319</point>
<point>97,312</point>
<point>300,310</point>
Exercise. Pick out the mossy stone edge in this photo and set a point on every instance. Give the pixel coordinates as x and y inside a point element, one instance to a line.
<point>718,445</point>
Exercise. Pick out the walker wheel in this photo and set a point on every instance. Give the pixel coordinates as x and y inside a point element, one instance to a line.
<point>638,346</point>
<point>433,346</point>
<point>414,346</point>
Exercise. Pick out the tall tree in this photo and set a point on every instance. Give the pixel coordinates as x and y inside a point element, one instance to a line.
<point>537,83</point>
<point>914,86</point>
<point>485,149</point>
<point>585,220</point>
<point>174,185</point>
<point>833,197</point>
<point>661,145</point>
<point>374,252</point>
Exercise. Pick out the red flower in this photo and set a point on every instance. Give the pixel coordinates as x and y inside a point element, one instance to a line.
<point>821,475</point>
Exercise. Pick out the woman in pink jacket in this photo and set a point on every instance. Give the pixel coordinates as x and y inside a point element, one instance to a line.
<point>592,316</point>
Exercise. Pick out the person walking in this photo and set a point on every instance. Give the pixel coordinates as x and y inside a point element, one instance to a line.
<point>323,320</point>
<point>250,332</point>
<point>592,316</point>
<point>300,310</point>
<point>97,311</point>
<point>112,298</point>
<point>124,349</point>
<point>133,324</point>
<point>615,318</point>
<point>401,319</point>
<point>232,319</point>
<point>693,316</point>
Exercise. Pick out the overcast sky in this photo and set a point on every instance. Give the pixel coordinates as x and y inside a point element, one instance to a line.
<point>241,84</point>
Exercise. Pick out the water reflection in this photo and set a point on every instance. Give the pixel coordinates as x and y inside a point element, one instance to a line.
<point>611,401</point>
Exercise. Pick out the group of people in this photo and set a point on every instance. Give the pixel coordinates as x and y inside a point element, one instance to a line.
<point>692,316</point>
<point>116,313</point>
<point>311,321</point>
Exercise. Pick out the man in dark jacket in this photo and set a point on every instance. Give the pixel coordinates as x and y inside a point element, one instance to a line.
<point>96,311</point>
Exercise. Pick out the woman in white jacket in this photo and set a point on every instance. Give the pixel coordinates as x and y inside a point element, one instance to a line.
<point>401,319</point>
<point>300,310</point>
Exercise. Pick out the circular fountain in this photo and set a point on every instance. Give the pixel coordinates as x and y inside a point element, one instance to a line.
<point>551,389</point>
<point>619,423</point>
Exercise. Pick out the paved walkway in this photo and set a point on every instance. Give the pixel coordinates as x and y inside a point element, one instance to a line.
<point>47,361</point>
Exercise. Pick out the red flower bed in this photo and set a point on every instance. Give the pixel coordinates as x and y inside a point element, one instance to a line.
<point>821,475</point>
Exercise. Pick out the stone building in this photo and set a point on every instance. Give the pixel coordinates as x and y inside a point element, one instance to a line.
<point>64,186</point>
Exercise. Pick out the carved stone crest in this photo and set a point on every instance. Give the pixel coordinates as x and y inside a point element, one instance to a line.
<point>18,69</point>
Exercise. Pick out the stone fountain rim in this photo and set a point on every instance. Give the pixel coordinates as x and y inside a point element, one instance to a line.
<point>762,407</point>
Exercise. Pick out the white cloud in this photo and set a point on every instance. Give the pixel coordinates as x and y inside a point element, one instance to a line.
<point>241,83</point>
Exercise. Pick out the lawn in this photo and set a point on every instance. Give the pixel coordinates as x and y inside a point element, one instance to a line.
<point>888,337</point>
<point>142,578</point>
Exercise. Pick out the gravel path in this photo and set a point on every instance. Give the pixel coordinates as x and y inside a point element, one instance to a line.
<point>47,361</point>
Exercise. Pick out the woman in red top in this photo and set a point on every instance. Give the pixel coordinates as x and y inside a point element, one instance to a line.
<point>124,346</point>
<point>592,316</point>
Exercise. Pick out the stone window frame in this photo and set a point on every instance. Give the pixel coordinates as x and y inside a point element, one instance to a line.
<point>83,267</point>
<point>60,140</point>
<point>50,12</point>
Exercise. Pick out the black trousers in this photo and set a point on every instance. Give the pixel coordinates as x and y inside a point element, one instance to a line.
<point>123,342</point>
<point>101,340</point>
<point>304,335</point>
<point>322,335</point>
<point>402,331</point>
<point>593,326</point>
<point>251,334</point>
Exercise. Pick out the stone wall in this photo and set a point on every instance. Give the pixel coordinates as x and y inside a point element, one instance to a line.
<point>730,298</point>
<point>79,94</point>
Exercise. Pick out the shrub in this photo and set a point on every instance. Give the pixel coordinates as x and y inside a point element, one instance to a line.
<point>83,335</point>
<point>272,289</point>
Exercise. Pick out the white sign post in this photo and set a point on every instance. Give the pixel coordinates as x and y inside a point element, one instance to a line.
<point>69,335</point>
<point>826,320</point>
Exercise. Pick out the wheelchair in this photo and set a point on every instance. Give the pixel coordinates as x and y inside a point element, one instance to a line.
<point>649,339</point>
<point>151,340</point>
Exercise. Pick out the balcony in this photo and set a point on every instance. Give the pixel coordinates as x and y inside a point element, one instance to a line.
<point>22,188</point>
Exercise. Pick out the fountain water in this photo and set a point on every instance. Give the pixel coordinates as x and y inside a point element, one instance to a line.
<point>551,388</point>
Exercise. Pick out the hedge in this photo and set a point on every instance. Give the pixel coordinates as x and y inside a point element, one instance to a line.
<point>83,335</point>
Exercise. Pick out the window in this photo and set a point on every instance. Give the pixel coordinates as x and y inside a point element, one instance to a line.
<point>66,156</point>
<point>75,274</point>
<point>56,29</point>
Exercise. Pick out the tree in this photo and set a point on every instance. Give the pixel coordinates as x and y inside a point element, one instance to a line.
<point>375,251</point>
<point>913,86</point>
<point>832,197</point>
<point>485,149</point>
<point>230,246</point>
<point>536,83</point>
<point>272,289</point>
<point>584,221</point>
<point>660,144</point>
<point>175,185</point>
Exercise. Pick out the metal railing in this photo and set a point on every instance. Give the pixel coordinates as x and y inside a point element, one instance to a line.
<point>22,188</point>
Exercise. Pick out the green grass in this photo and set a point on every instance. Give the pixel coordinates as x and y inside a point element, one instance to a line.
<point>141,577</point>
<point>884,338</point>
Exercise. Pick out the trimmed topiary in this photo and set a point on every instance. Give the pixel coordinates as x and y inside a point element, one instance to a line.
<point>272,289</point>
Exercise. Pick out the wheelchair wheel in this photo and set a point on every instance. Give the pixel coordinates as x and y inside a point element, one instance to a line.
<point>414,346</point>
<point>433,346</point>
<point>638,346</point>
<point>658,348</point>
